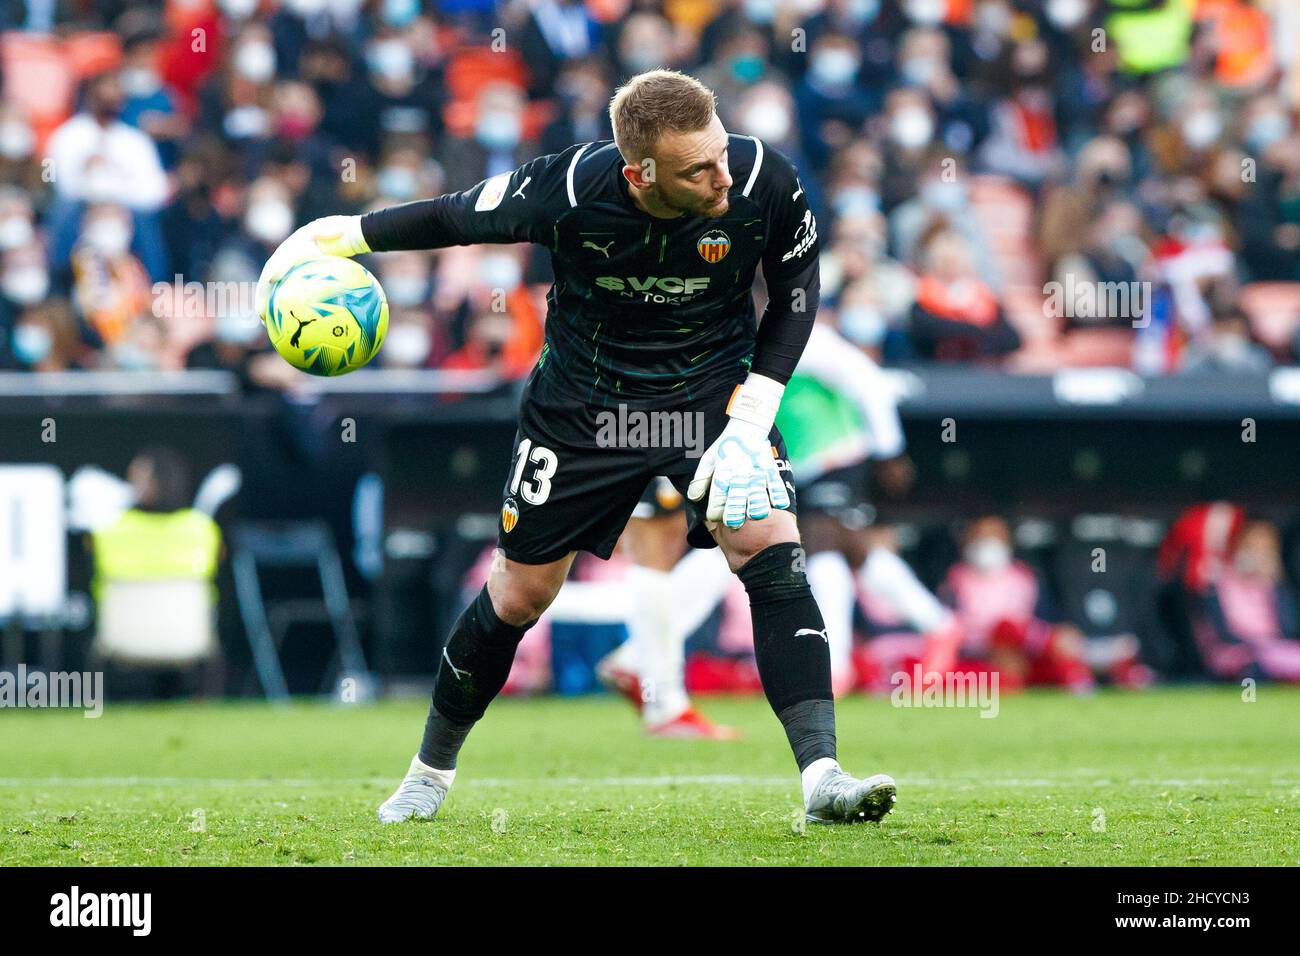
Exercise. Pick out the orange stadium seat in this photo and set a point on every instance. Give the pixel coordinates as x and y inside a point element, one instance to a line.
<point>473,68</point>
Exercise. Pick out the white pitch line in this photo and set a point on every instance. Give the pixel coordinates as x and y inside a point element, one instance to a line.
<point>964,782</point>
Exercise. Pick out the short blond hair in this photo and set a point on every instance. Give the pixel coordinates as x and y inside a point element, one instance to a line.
<point>653,103</point>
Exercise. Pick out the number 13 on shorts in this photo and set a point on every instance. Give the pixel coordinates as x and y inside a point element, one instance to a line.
<point>534,487</point>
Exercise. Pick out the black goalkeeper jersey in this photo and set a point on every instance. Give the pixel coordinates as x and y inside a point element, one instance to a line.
<point>642,309</point>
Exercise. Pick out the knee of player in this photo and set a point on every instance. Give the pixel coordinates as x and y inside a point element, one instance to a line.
<point>518,603</point>
<point>754,537</point>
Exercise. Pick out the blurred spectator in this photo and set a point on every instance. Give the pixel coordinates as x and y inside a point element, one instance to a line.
<point>1169,155</point>
<point>1005,615</point>
<point>496,145</point>
<point>1246,624</point>
<point>148,104</point>
<point>1023,143</point>
<point>110,287</point>
<point>956,317</point>
<point>98,158</point>
<point>1228,348</point>
<point>44,338</point>
<point>942,200</point>
<point>555,31</point>
<point>835,106</point>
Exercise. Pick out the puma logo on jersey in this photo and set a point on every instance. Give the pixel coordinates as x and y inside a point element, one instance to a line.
<point>813,632</point>
<point>602,249</point>
<point>520,191</point>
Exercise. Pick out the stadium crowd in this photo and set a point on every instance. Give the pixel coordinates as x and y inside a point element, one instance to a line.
<point>961,156</point>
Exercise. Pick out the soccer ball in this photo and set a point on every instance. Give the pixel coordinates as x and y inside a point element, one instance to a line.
<point>327,316</point>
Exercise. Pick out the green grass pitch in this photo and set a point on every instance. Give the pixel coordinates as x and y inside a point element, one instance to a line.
<point>1178,776</point>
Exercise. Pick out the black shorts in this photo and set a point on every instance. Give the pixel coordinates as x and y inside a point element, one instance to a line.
<point>842,494</point>
<point>578,471</point>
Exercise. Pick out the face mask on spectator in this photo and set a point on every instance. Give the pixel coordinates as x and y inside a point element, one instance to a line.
<point>26,285</point>
<point>127,355</point>
<point>911,127</point>
<point>399,13</point>
<point>406,291</point>
<point>238,9</point>
<point>769,122</point>
<point>993,19</point>
<point>1066,14</point>
<point>305,8</point>
<point>649,58</point>
<point>269,221</point>
<point>1251,564</point>
<point>398,182</point>
<point>16,140</point>
<point>235,328</point>
<point>760,11</point>
<point>140,81</point>
<point>497,129</point>
<point>407,345</point>
<point>1266,129</point>
<point>863,324</point>
<point>988,554</point>
<point>1201,129</point>
<point>747,68</point>
<point>391,60</point>
<point>942,195</point>
<point>15,231</point>
<point>861,12</point>
<point>498,271</point>
<point>920,70</point>
<point>32,344</point>
<point>108,237</point>
<point>246,122</point>
<point>836,67</point>
<point>255,62</point>
<point>855,200</point>
<point>927,13</point>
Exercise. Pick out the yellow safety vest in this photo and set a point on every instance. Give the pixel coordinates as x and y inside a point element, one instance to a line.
<point>1150,40</point>
<point>145,545</point>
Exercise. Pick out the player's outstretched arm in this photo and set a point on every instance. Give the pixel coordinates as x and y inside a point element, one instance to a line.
<point>518,206</point>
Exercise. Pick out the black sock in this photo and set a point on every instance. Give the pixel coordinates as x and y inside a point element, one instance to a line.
<point>474,667</point>
<point>791,649</point>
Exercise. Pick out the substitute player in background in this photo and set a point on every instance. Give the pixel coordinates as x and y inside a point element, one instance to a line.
<point>654,241</point>
<point>671,589</point>
<point>840,419</point>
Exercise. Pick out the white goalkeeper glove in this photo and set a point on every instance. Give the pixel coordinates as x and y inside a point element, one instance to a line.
<point>329,236</point>
<point>739,469</point>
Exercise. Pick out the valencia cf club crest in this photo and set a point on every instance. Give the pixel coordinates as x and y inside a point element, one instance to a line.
<point>509,515</point>
<point>714,245</point>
